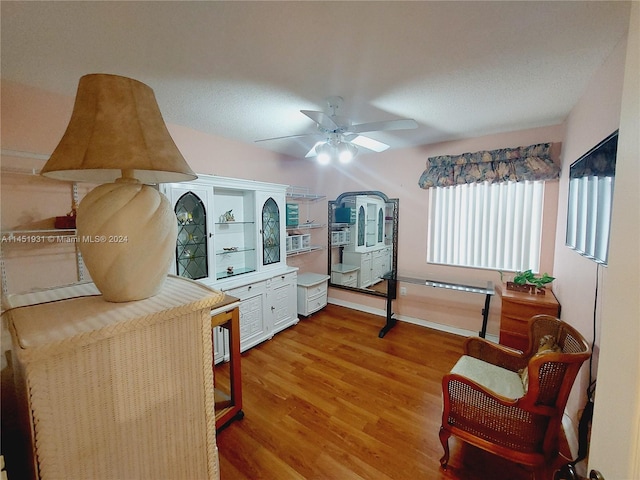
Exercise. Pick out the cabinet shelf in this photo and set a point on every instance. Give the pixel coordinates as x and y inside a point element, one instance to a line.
<point>44,232</point>
<point>235,273</point>
<point>306,226</point>
<point>303,193</point>
<point>39,238</point>
<point>303,196</point>
<point>190,243</point>
<point>193,258</point>
<point>312,248</point>
<point>239,250</point>
<point>299,243</point>
<point>229,224</point>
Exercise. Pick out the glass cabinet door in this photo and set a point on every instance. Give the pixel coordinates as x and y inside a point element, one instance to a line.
<point>361,225</point>
<point>380,225</point>
<point>270,232</point>
<point>191,245</point>
<point>371,230</point>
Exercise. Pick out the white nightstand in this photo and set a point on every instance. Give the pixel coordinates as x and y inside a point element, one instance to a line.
<point>347,275</point>
<point>312,293</point>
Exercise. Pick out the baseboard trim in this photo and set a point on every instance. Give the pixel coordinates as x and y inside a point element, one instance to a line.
<point>416,321</point>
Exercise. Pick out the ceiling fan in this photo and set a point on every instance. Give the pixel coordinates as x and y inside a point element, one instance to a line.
<point>339,137</point>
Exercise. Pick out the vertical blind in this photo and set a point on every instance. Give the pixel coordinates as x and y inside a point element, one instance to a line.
<point>591,183</point>
<point>486,225</point>
<point>589,216</point>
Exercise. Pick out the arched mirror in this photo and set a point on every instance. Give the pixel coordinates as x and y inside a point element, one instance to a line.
<point>363,241</point>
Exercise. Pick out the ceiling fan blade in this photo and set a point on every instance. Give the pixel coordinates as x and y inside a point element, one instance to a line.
<point>321,118</point>
<point>287,136</point>
<point>312,152</point>
<point>402,124</point>
<point>369,143</point>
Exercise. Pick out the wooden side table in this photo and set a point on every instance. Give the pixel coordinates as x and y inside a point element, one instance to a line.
<point>228,405</point>
<point>517,309</point>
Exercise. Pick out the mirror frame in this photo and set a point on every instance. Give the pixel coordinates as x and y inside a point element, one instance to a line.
<point>389,202</point>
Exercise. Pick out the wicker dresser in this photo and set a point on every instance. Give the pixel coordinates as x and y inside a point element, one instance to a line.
<point>117,390</point>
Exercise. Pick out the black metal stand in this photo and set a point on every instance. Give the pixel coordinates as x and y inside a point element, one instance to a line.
<point>392,286</point>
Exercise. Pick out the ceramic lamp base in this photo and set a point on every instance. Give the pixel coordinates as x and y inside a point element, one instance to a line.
<point>127,233</point>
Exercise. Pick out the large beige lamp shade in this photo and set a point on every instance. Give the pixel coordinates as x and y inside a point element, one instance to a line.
<point>126,229</point>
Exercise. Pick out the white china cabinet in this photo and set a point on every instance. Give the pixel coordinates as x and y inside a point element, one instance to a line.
<point>232,236</point>
<point>367,249</point>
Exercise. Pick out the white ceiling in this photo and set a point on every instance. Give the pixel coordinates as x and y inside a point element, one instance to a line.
<point>244,70</point>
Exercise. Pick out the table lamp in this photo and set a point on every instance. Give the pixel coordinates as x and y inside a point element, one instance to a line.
<point>126,228</point>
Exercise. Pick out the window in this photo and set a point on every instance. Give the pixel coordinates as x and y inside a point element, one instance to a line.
<point>591,183</point>
<point>486,225</point>
<point>589,216</point>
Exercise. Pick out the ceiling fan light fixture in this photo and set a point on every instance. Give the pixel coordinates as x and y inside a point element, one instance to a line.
<point>325,152</point>
<point>346,152</point>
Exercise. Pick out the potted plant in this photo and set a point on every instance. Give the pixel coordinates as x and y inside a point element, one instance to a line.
<point>527,281</point>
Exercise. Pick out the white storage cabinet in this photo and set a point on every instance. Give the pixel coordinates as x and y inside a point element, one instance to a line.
<point>232,237</point>
<point>372,265</point>
<point>312,293</point>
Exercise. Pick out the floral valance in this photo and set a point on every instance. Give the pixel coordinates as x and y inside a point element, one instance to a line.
<point>507,164</point>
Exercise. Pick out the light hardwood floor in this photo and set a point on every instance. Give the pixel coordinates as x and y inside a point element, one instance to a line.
<point>327,399</point>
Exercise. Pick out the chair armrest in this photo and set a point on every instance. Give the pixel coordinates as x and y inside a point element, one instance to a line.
<point>495,354</point>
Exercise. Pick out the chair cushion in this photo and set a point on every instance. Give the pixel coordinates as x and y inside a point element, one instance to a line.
<point>497,379</point>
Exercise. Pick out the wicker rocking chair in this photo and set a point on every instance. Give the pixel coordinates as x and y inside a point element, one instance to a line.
<point>489,402</point>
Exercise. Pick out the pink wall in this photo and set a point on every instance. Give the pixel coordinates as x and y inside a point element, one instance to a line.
<point>595,117</point>
<point>615,437</point>
<point>33,121</point>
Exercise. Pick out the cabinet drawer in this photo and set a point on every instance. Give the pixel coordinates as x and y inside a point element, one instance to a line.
<point>247,291</point>
<point>320,295</point>
<point>526,311</point>
<point>280,280</point>
<point>315,304</point>
<point>344,278</point>
<point>514,325</point>
<point>315,290</point>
